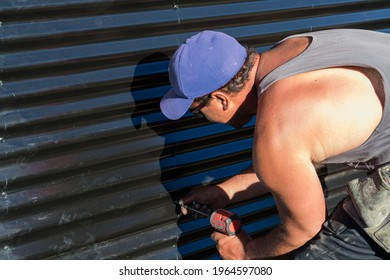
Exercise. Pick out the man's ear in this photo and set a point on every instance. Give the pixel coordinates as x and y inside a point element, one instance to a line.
<point>223,98</point>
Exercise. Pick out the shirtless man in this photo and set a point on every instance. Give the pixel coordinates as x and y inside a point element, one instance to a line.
<point>318,98</point>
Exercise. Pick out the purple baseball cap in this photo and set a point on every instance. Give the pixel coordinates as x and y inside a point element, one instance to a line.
<point>201,65</point>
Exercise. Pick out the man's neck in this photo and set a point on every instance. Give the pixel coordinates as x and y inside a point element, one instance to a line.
<point>259,74</point>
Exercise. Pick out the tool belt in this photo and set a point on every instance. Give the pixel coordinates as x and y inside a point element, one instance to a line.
<point>369,205</point>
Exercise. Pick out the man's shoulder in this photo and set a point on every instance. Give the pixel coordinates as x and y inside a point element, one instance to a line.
<point>328,111</point>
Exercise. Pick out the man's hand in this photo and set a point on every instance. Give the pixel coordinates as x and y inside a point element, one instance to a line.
<point>206,198</point>
<point>232,247</point>
<point>238,188</point>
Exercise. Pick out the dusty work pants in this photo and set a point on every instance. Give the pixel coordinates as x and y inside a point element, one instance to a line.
<point>341,239</point>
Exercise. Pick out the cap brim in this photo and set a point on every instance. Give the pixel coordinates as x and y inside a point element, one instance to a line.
<point>174,106</point>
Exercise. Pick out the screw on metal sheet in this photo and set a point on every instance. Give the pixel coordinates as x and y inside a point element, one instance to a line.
<point>4,194</point>
<point>176,8</point>
<point>176,4</point>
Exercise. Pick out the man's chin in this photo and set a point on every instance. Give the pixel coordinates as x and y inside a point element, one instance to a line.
<point>237,125</point>
<point>239,120</point>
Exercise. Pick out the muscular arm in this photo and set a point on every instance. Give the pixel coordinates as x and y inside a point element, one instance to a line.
<point>282,159</point>
<point>238,188</point>
<point>243,186</point>
<point>301,206</point>
<point>293,181</point>
<point>285,146</point>
<point>282,154</point>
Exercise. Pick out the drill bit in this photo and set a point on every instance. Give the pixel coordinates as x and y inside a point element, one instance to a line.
<point>192,209</point>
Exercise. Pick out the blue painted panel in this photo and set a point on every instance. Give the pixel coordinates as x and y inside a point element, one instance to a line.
<point>85,151</point>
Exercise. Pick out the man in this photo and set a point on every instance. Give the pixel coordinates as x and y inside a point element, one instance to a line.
<point>318,98</point>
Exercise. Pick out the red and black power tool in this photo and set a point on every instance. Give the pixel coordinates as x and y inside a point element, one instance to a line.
<point>221,219</point>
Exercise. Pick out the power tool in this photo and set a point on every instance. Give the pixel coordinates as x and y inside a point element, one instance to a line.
<point>222,220</point>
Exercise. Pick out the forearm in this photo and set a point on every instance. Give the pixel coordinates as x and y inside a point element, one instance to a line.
<point>238,188</point>
<point>274,244</point>
<point>243,186</point>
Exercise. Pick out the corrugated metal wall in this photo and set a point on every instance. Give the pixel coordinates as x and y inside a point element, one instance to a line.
<point>89,167</point>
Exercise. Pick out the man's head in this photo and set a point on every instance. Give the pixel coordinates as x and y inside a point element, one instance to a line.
<point>205,63</point>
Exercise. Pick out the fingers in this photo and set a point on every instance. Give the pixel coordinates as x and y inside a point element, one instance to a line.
<point>231,247</point>
<point>190,197</point>
<point>221,240</point>
<point>187,207</point>
<point>216,236</point>
<point>183,209</point>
